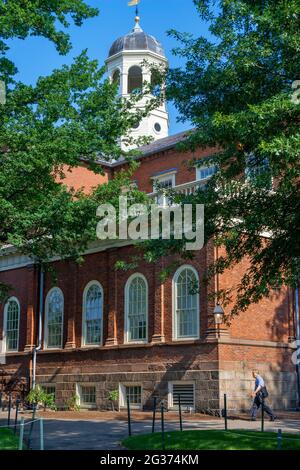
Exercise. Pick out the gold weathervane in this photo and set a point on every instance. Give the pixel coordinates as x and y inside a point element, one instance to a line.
<point>134,3</point>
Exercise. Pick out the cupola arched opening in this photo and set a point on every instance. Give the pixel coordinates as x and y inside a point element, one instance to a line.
<point>135,79</point>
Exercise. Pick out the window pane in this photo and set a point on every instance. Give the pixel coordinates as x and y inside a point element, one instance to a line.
<point>88,395</point>
<point>162,186</point>
<point>186,310</point>
<point>93,315</point>
<point>55,319</point>
<point>12,326</point>
<point>137,310</point>
<point>258,172</point>
<point>135,79</point>
<point>206,171</point>
<point>134,393</point>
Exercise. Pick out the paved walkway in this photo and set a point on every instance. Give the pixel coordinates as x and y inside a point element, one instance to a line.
<point>107,435</point>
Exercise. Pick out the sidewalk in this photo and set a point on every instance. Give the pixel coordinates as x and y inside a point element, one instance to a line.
<point>76,432</point>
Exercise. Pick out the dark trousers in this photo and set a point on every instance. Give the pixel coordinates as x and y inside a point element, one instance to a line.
<point>256,405</point>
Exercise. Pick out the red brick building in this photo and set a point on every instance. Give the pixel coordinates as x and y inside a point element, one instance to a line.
<point>105,330</point>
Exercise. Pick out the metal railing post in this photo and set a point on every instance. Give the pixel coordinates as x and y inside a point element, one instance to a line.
<point>154,413</point>
<point>9,410</point>
<point>21,434</point>
<point>128,417</point>
<point>225,412</point>
<point>180,414</point>
<point>41,434</point>
<point>162,427</point>
<point>262,414</point>
<point>16,415</point>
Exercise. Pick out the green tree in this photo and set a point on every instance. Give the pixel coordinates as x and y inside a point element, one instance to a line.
<point>23,18</point>
<point>236,90</point>
<point>67,118</point>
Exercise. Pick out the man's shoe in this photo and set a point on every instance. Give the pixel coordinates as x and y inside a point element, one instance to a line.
<point>253,419</point>
<point>273,418</point>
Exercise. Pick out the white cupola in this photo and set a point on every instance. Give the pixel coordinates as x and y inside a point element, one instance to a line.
<point>125,65</point>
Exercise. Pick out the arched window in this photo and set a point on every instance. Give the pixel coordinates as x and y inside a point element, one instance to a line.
<point>116,78</point>
<point>92,314</point>
<point>136,309</point>
<point>185,303</point>
<point>54,319</point>
<point>135,79</point>
<point>11,324</point>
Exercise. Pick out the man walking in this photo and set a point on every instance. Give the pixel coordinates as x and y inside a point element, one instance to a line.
<point>260,394</point>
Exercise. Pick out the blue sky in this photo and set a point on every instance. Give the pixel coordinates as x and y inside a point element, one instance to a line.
<point>36,56</point>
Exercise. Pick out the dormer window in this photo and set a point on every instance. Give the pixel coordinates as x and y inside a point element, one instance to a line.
<point>258,171</point>
<point>205,171</point>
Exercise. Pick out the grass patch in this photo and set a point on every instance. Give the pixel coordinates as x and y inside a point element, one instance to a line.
<point>212,440</point>
<point>8,441</point>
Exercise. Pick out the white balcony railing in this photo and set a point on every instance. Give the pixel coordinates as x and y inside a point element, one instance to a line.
<point>185,189</point>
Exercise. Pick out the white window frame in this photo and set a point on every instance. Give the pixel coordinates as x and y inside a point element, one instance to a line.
<point>83,334</point>
<point>174,304</point>
<point>250,176</point>
<point>170,392</point>
<point>126,326</point>
<point>4,342</point>
<point>46,319</point>
<point>122,395</point>
<point>85,406</point>
<point>158,179</point>
<point>201,167</point>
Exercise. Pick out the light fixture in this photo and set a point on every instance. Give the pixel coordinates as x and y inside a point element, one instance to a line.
<point>218,314</point>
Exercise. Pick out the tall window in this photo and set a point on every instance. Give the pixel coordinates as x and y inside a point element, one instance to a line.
<point>135,79</point>
<point>11,324</point>
<point>54,319</point>
<point>161,185</point>
<point>258,172</point>
<point>92,314</point>
<point>186,303</point>
<point>136,305</point>
<point>204,172</point>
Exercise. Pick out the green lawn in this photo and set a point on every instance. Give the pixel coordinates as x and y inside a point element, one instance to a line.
<point>8,441</point>
<point>212,440</point>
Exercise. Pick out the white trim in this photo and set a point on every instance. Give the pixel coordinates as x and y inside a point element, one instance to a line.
<point>170,391</point>
<point>165,174</point>
<point>46,319</point>
<point>126,309</point>
<point>200,167</point>
<point>4,346</point>
<point>83,332</point>
<point>174,300</point>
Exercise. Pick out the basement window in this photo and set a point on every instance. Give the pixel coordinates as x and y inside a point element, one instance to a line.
<point>133,393</point>
<point>87,396</point>
<point>186,392</point>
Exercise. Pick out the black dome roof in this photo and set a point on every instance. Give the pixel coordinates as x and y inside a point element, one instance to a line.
<point>136,40</point>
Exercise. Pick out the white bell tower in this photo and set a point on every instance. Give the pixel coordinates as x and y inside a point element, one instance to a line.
<point>125,65</point>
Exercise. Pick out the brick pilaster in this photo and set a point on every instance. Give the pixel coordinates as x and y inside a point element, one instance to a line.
<point>159,306</point>
<point>112,299</point>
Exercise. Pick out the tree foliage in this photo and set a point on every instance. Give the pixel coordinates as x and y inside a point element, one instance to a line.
<point>70,118</point>
<point>236,89</point>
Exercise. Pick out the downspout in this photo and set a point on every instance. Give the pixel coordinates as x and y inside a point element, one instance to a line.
<point>297,320</point>
<point>40,323</point>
